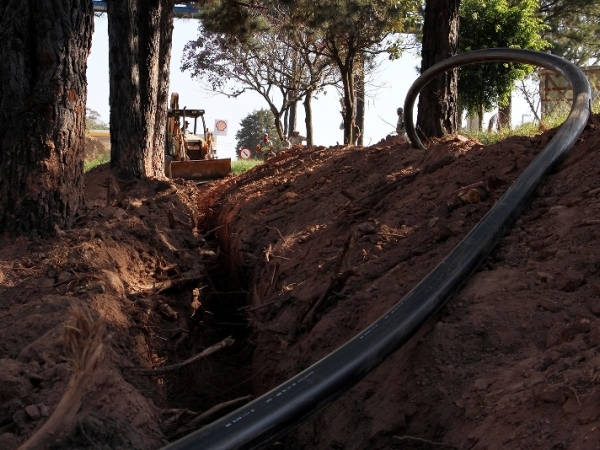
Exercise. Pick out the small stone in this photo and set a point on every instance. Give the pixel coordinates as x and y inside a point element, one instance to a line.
<point>481,384</point>
<point>569,281</point>
<point>33,412</point>
<point>45,411</point>
<point>571,406</point>
<point>8,441</point>
<point>64,276</point>
<point>549,305</point>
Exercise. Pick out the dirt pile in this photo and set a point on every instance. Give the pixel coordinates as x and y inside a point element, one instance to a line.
<point>136,261</point>
<point>312,247</point>
<point>330,239</point>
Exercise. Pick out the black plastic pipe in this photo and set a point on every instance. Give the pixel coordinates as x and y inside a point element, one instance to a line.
<point>272,415</point>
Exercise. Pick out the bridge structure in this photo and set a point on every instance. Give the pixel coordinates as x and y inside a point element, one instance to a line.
<point>182,10</point>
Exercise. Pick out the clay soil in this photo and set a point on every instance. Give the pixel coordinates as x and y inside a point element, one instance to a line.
<point>292,259</point>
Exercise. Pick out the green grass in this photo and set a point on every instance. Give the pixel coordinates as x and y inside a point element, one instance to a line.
<point>527,129</point>
<point>553,120</point>
<point>242,165</point>
<point>237,166</point>
<point>93,163</point>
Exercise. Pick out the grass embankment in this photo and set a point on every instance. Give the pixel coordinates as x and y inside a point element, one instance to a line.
<point>237,166</point>
<point>553,120</point>
<point>98,161</point>
<point>242,165</point>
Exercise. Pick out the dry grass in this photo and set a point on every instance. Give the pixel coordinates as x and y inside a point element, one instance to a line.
<point>83,347</point>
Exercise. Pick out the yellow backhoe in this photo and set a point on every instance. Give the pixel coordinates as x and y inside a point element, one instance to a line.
<point>191,154</point>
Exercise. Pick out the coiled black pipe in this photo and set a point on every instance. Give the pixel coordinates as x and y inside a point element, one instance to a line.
<point>280,410</point>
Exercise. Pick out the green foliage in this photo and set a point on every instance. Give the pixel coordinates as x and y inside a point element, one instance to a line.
<point>238,19</point>
<point>252,128</point>
<point>573,29</point>
<point>526,129</point>
<point>93,120</point>
<point>488,24</point>
<point>92,164</point>
<point>243,165</point>
<point>348,32</point>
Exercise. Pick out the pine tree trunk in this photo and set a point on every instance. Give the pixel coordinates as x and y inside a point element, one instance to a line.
<point>140,35</point>
<point>438,107</point>
<point>43,88</point>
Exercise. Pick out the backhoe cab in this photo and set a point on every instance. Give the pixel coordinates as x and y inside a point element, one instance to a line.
<point>190,152</point>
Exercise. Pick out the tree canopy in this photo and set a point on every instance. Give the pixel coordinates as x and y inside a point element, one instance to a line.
<point>573,29</point>
<point>93,121</point>
<point>485,24</point>
<point>346,31</point>
<point>275,63</point>
<point>252,129</point>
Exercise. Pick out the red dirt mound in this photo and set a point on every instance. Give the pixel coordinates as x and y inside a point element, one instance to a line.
<point>312,247</point>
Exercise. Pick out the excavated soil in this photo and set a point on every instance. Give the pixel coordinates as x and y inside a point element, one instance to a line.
<point>292,259</point>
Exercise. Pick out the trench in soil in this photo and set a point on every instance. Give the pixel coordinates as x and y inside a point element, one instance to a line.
<point>223,376</point>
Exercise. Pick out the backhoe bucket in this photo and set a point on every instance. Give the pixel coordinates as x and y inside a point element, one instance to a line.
<point>206,169</point>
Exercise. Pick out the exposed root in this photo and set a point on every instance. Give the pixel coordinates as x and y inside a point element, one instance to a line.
<point>227,342</point>
<point>424,441</point>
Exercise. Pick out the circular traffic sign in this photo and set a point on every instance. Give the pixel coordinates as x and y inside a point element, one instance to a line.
<point>221,125</point>
<point>245,153</point>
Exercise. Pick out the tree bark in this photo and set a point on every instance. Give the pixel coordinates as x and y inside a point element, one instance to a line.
<point>43,86</point>
<point>505,115</point>
<point>292,119</point>
<point>349,93</point>
<point>140,35</point>
<point>438,106</point>
<point>308,117</point>
<point>360,101</point>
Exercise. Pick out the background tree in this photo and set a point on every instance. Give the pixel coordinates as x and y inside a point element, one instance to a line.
<point>93,121</point>
<point>318,73</point>
<point>483,24</point>
<point>140,35</point>
<point>573,29</point>
<point>252,129</point>
<point>43,84</point>
<point>274,63</point>
<point>438,101</point>
<point>343,31</point>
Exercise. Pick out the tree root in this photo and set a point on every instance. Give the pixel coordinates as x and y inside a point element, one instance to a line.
<point>424,441</point>
<point>227,342</point>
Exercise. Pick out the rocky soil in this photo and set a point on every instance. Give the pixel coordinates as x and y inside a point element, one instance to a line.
<point>292,259</point>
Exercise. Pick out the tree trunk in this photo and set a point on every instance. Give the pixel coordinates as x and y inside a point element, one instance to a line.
<point>277,121</point>
<point>360,101</point>
<point>438,107</point>
<point>348,84</point>
<point>286,121</point>
<point>292,119</point>
<point>43,88</point>
<point>140,34</point>
<point>505,116</point>
<point>308,117</point>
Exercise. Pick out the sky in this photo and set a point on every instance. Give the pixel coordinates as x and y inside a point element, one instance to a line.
<point>389,86</point>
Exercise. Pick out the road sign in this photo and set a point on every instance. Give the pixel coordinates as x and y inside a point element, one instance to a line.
<point>245,153</point>
<point>220,127</point>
